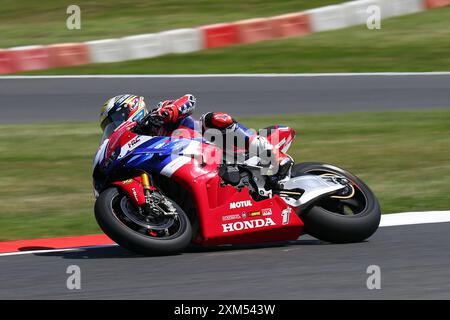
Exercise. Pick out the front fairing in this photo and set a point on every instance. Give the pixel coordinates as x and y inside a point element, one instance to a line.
<point>130,154</point>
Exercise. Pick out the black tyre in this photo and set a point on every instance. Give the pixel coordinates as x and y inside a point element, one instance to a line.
<point>167,237</point>
<point>340,220</point>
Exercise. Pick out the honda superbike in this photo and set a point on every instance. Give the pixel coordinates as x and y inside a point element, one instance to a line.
<point>158,194</point>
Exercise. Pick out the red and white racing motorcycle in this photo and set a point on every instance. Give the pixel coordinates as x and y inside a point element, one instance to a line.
<point>159,194</point>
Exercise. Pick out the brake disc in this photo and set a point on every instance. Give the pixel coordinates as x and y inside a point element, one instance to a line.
<point>131,213</point>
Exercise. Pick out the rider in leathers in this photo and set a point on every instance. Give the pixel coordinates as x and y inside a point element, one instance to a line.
<point>171,115</point>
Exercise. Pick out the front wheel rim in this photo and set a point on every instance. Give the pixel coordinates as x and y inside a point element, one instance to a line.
<point>168,228</point>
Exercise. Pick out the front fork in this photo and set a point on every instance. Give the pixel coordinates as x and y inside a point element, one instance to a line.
<point>156,204</point>
<point>145,196</point>
<point>147,185</point>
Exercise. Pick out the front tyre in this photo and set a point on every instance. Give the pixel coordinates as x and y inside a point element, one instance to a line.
<point>113,212</point>
<point>353,218</point>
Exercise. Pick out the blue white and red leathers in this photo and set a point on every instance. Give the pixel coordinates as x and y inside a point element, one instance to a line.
<point>171,115</point>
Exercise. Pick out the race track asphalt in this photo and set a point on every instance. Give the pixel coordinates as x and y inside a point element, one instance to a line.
<point>414,262</point>
<point>75,99</point>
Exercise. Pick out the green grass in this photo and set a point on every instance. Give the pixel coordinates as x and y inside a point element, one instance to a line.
<point>419,42</point>
<point>27,22</point>
<point>403,156</point>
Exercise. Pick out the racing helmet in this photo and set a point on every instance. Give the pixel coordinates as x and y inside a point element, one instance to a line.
<point>121,108</point>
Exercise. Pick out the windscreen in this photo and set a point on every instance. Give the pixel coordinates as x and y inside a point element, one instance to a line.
<point>109,129</point>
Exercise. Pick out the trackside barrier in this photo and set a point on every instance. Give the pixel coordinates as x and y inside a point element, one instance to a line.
<point>290,25</point>
<point>108,50</point>
<point>356,11</point>
<point>394,8</point>
<point>144,46</point>
<point>210,36</point>
<point>220,35</point>
<point>254,30</point>
<point>29,58</point>
<point>328,18</point>
<point>69,54</point>
<point>437,3</point>
<point>7,62</point>
<point>183,40</point>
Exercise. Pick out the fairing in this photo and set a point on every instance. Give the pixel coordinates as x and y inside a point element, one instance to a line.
<point>225,215</point>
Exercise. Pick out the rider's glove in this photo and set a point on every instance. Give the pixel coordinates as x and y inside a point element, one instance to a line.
<point>154,118</point>
<point>150,121</point>
<point>167,114</point>
<point>158,118</point>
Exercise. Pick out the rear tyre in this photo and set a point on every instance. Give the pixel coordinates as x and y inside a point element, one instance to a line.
<point>336,220</point>
<point>110,216</point>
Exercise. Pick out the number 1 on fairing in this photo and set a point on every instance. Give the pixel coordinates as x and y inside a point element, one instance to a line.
<point>285,214</point>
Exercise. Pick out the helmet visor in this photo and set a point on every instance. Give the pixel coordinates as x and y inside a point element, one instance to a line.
<point>119,116</point>
<point>112,121</point>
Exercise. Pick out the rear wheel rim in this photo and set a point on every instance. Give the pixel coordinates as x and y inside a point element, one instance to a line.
<point>353,206</point>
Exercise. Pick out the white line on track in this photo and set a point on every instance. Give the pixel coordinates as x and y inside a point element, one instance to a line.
<point>19,253</point>
<point>409,218</point>
<point>387,220</point>
<point>237,75</point>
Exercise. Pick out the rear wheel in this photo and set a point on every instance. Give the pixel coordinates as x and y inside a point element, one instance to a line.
<point>351,217</point>
<point>127,226</point>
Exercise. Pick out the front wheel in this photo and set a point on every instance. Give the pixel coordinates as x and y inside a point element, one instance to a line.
<point>340,219</point>
<point>124,224</point>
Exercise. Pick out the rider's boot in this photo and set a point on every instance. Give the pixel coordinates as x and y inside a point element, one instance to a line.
<point>268,156</point>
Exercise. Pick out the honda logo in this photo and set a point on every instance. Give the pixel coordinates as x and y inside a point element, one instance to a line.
<point>250,224</point>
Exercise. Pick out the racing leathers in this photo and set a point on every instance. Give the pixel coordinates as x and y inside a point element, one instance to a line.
<point>171,115</point>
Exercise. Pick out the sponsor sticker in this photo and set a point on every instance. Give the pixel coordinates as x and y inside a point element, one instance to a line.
<point>133,142</point>
<point>231,217</point>
<point>255,213</point>
<point>240,204</point>
<point>135,194</point>
<point>266,212</point>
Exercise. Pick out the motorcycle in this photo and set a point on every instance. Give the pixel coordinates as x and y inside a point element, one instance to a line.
<point>158,194</point>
